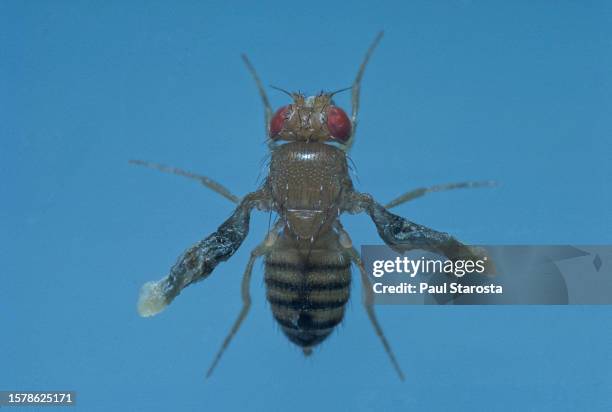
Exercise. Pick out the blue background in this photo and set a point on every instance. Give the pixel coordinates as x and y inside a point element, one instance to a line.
<point>518,92</point>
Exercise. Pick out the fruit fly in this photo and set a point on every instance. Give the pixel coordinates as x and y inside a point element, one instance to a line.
<point>308,254</point>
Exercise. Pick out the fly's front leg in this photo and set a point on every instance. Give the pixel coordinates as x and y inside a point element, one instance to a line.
<point>368,298</point>
<point>356,89</point>
<point>199,261</point>
<point>263,95</point>
<point>403,235</point>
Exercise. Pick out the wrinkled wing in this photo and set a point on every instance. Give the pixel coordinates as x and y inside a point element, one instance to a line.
<point>196,263</point>
<point>402,235</point>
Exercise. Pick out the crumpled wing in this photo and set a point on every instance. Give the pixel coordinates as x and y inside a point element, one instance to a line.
<point>402,235</point>
<point>197,262</point>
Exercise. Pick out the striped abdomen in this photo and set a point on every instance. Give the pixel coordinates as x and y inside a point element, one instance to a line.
<point>307,291</point>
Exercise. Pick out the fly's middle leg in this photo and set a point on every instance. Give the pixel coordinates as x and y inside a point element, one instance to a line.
<point>206,181</point>
<point>422,191</point>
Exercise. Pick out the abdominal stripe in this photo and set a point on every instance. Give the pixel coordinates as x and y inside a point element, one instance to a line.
<point>322,325</point>
<point>315,287</point>
<point>306,304</point>
<point>308,267</point>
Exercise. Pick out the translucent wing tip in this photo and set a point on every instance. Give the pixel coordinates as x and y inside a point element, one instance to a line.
<point>151,300</point>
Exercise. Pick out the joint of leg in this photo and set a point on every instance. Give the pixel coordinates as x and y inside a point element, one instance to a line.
<point>271,238</point>
<point>345,240</point>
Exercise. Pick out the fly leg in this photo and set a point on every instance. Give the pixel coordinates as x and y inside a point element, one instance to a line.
<point>206,181</point>
<point>368,295</point>
<point>263,95</point>
<point>262,249</point>
<point>422,191</point>
<point>200,260</point>
<point>356,88</point>
<point>246,305</point>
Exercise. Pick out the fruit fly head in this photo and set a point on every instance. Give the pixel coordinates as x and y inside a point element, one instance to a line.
<point>311,119</point>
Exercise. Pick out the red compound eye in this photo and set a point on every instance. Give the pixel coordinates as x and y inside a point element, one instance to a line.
<point>338,123</point>
<point>278,121</point>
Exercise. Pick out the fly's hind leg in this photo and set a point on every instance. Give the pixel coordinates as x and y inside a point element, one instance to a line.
<point>368,298</point>
<point>206,181</point>
<point>422,191</point>
<point>246,305</point>
<point>260,250</point>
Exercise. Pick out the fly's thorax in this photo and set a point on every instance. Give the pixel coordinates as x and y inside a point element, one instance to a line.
<point>307,181</point>
<point>308,286</point>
